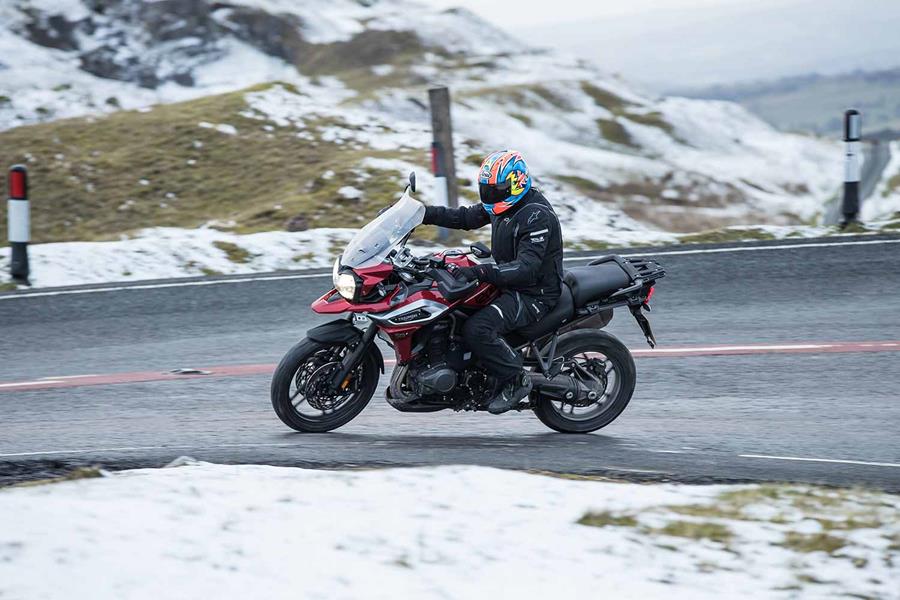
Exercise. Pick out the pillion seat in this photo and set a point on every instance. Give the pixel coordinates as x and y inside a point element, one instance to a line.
<point>597,281</point>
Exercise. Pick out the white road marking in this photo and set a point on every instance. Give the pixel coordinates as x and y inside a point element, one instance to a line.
<point>734,348</point>
<point>152,286</point>
<point>738,249</point>
<point>53,379</point>
<point>22,383</point>
<point>823,460</point>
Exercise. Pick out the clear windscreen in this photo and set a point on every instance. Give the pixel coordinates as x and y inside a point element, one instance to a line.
<point>376,240</point>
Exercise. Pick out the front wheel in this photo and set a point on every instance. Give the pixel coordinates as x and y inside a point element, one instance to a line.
<point>599,359</point>
<point>302,395</point>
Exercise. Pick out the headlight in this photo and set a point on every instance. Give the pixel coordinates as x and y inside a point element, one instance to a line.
<point>346,285</point>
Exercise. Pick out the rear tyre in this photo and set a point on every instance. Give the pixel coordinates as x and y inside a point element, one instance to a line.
<point>604,358</point>
<point>301,396</point>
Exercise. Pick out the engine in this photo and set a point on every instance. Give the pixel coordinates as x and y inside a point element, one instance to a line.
<point>440,377</point>
<point>443,360</point>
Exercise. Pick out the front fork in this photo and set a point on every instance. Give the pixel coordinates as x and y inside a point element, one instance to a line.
<point>341,378</point>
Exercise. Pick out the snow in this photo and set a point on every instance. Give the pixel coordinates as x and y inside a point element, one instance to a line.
<point>884,202</point>
<point>161,253</point>
<point>350,192</point>
<point>202,530</point>
<point>221,127</point>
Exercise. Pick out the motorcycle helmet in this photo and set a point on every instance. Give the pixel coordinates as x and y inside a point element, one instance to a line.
<point>503,180</point>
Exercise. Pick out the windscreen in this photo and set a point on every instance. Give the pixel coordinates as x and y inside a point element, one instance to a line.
<point>376,240</point>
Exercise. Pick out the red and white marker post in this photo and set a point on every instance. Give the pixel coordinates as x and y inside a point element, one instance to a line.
<point>18,212</point>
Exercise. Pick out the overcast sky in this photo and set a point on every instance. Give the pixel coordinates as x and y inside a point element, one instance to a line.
<point>682,44</point>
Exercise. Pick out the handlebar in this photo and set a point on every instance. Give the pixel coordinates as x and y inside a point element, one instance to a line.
<point>449,286</point>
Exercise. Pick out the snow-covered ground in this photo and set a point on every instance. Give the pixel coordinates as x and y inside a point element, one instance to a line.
<point>885,200</point>
<point>204,531</point>
<point>169,252</point>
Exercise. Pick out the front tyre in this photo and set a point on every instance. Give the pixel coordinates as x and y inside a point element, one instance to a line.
<point>301,393</point>
<point>597,358</point>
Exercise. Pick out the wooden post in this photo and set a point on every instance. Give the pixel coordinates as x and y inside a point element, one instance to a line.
<point>442,132</point>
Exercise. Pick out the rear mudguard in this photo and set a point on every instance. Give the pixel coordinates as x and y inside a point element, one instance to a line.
<point>341,331</point>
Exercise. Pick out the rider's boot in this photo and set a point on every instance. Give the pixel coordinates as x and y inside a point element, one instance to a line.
<point>516,388</point>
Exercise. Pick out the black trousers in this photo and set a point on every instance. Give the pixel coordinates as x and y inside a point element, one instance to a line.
<point>484,331</point>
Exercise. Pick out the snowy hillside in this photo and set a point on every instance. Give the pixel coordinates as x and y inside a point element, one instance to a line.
<point>352,101</point>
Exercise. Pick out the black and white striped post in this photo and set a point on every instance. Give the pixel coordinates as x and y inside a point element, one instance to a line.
<point>18,214</point>
<point>852,171</point>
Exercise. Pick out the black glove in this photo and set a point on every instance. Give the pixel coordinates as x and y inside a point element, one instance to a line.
<point>479,272</point>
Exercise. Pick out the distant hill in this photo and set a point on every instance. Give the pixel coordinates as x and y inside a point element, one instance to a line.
<point>816,103</point>
<point>129,116</point>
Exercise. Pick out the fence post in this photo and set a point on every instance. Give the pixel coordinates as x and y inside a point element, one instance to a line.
<point>18,223</point>
<point>852,137</point>
<point>442,158</point>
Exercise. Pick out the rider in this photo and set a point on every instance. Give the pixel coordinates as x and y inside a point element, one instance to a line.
<point>526,243</point>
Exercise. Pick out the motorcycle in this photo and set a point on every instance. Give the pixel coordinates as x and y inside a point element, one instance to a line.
<point>583,377</point>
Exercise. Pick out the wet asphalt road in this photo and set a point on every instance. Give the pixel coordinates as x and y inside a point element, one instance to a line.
<point>693,419</point>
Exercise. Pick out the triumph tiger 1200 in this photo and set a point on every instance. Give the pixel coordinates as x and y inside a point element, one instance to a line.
<point>582,377</point>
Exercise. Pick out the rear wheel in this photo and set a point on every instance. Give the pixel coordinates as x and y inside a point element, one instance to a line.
<point>600,360</point>
<point>301,387</point>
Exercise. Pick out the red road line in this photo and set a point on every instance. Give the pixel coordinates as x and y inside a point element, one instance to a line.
<point>266,369</point>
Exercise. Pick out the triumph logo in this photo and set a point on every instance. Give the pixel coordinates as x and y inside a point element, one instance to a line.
<point>414,315</point>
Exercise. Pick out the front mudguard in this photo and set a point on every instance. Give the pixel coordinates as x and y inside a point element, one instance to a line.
<point>342,331</point>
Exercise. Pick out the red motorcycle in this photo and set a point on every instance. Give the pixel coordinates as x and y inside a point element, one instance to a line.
<point>583,378</point>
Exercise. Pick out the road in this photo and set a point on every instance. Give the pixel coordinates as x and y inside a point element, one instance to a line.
<point>877,156</point>
<point>792,412</point>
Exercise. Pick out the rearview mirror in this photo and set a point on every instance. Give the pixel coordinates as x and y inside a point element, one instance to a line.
<point>479,250</point>
<point>412,182</point>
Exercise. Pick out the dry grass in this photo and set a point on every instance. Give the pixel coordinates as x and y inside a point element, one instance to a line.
<point>95,178</point>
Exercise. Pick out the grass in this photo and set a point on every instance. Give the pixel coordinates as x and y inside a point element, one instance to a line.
<point>608,100</point>
<point>523,118</point>
<point>8,286</point>
<point>694,530</point>
<point>96,178</point>
<point>607,519</point>
<point>719,236</point>
<point>812,542</point>
<point>615,132</point>
<point>893,184</point>
<point>651,119</point>
<point>233,252</point>
<point>74,475</point>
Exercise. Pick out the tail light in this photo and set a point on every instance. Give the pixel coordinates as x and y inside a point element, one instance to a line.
<point>649,294</point>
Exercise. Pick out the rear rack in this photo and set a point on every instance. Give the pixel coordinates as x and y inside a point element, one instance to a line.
<point>637,268</point>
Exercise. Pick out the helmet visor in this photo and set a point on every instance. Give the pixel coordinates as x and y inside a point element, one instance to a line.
<point>492,194</point>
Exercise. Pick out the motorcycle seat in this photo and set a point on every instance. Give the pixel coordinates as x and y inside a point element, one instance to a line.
<point>559,315</point>
<point>593,282</point>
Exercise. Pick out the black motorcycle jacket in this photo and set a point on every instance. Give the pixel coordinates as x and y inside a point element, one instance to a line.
<point>526,243</point>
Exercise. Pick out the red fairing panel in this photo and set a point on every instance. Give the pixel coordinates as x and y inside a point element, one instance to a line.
<point>401,336</point>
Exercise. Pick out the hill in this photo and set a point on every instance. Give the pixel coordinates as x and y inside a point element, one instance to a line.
<point>816,103</point>
<point>268,115</point>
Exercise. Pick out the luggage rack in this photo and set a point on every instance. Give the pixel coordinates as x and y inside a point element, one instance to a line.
<point>642,269</point>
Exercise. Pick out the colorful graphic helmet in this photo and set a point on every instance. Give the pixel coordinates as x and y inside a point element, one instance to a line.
<point>503,180</point>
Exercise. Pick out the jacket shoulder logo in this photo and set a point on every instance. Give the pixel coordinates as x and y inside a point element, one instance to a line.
<point>533,217</point>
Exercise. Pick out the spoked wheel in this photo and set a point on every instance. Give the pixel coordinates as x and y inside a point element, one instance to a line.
<point>303,397</point>
<point>604,364</point>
